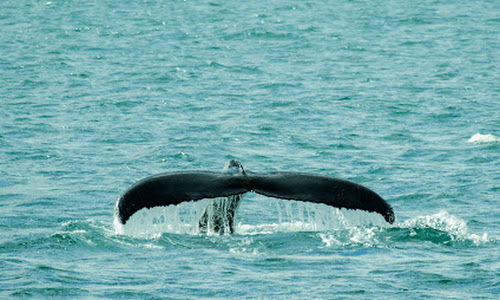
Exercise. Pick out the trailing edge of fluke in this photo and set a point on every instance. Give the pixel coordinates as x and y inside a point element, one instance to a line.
<point>172,188</point>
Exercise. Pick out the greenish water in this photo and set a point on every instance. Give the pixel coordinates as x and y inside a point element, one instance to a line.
<point>400,96</point>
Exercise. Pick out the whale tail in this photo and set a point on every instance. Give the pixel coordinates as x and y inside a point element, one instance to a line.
<point>229,186</point>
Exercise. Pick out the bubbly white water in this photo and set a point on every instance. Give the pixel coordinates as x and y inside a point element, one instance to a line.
<point>479,138</point>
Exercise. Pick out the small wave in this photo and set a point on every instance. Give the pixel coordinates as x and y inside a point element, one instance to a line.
<point>83,233</point>
<point>479,138</point>
<point>75,233</point>
<point>443,227</point>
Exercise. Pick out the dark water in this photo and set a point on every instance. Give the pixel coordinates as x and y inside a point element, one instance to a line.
<point>400,96</point>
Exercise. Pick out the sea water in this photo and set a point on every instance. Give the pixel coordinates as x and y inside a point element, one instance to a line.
<point>399,96</point>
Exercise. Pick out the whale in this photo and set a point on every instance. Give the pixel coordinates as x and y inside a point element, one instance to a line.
<point>229,186</point>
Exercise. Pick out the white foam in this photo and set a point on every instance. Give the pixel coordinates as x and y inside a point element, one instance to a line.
<point>455,227</point>
<point>479,138</point>
<point>270,228</point>
<point>443,221</point>
<point>357,235</point>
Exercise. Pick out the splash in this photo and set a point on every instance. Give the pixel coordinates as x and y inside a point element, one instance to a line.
<point>453,228</point>
<point>441,228</point>
<point>183,218</point>
<point>335,227</point>
<point>483,138</point>
<point>295,216</point>
<point>352,236</point>
<point>282,216</point>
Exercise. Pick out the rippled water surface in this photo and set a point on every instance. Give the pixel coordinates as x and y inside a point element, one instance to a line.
<point>400,96</point>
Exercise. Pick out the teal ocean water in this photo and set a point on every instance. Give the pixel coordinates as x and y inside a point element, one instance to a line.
<point>400,96</point>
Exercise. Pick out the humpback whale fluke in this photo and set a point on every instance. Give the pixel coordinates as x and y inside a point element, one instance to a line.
<point>172,188</point>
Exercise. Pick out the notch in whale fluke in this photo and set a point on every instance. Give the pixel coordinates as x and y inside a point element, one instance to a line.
<point>172,188</point>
